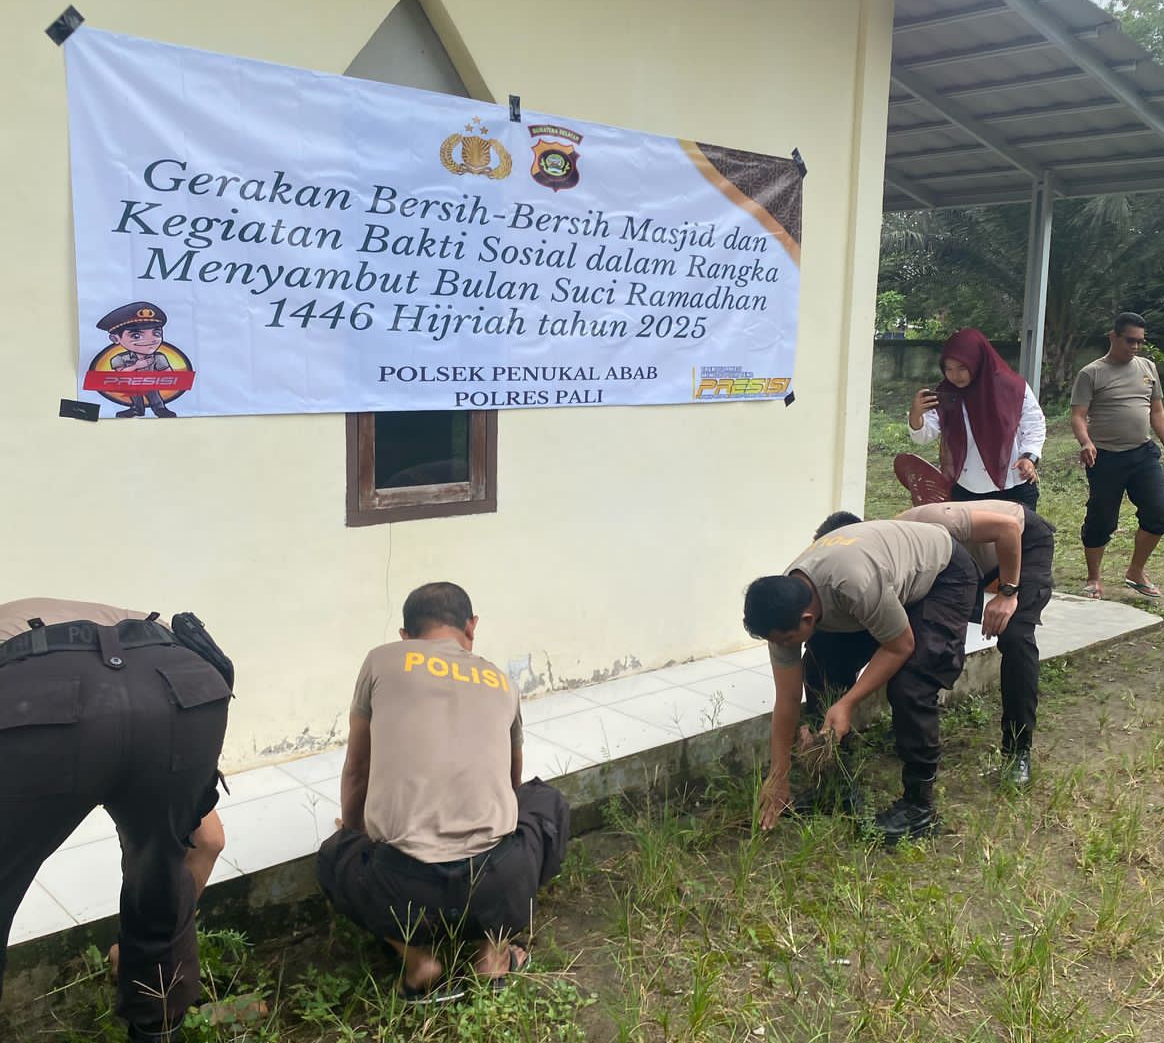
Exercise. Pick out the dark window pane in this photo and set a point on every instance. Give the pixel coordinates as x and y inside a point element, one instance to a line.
<point>424,448</point>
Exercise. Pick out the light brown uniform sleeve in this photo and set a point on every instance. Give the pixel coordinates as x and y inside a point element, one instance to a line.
<point>1083,388</point>
<point>516,735</point>
<point>876,607</point>
<point>784,656</point>
<point>362,699</point>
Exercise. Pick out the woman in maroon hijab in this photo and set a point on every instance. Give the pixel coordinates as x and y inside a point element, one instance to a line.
<point>989,421</point>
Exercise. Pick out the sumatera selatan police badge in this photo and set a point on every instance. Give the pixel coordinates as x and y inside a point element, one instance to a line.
<point>555,162</point>
<point>486,157</point>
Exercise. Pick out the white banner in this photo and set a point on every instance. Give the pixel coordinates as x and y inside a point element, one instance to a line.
<point>253,238</point>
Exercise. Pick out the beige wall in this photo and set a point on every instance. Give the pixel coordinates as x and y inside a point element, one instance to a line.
<point>623,536</point>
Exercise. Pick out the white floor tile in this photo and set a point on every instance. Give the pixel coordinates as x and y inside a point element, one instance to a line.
<point>85,880</point>
<point>97,825</point>
<point>39,914</point>
<point>317,767</point>
<point>748,689</point>
<point>278,828</point>
<point>548,760</point>
<point>682,711</point>
<point>625,688</point>
<point>700,670</point>
<point>754,658</point>
<point>602,734</point>
<point>975,642</point>
<point>256,783</point>
<point>554,704</point>
<point>329,788</point>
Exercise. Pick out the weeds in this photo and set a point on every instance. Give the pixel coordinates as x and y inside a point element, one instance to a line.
<point>1035,918</point>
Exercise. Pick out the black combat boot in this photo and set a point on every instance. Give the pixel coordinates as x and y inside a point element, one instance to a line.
<point>1018,767</point>
<point>912,815</point>
<point>1016,752</point>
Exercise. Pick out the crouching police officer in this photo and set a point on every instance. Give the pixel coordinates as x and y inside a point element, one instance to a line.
<point>99,705</point>
<point>439,833</point>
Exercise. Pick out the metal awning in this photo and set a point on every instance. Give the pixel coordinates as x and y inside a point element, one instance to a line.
<point>988,97</point>
<point>1015,101</point>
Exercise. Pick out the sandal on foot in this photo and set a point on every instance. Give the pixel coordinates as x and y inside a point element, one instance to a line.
<point>1092,591</point>
<point>1147,588</point>
<point>503,981</point>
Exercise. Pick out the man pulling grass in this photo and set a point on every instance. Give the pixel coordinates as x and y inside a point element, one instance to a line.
<point>892,597</point>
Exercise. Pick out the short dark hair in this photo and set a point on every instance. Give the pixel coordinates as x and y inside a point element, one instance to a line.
<point>1127,319</point>
<point>836,520</point>
<point>774,603</point>
<point>436,605</point>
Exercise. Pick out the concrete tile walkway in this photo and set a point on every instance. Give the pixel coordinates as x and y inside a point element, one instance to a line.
<point>278,813</point>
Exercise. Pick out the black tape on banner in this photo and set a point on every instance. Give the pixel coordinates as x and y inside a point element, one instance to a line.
<point>75,410</point>
<point>514,108</point>
<point>62,29</point>
<point>798,159</point>
<point>789,398</point>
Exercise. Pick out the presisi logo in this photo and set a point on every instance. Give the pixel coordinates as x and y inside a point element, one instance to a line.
<point>439,667</point>
<point>741,387</point>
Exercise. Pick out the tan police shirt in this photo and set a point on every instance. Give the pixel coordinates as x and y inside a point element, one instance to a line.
<point>1119,398</point>
<point>444,724</point>
<point>14,615</point>
<point>955,519</point>
<point>866,574</point>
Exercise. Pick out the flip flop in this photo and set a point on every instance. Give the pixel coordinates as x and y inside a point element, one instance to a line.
<point>1092,591</point>
<point>504,980</point>
<point>1149,589</point>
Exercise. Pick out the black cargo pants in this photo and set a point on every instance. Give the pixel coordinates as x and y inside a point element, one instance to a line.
<point>491,894</point>
<point>938,621</point>
<point>1019,672</point>
<point>135,726</point>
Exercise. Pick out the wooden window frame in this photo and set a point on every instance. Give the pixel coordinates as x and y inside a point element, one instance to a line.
<point>367,505</point>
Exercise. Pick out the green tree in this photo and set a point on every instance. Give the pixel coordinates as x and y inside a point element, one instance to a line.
<point>967,267</point>
<point>1143,21</point>
<point>890,311</point>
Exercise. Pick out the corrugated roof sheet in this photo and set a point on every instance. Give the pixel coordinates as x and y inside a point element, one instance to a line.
<point>988,94</point>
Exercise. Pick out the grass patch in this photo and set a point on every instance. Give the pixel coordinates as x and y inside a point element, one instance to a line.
<point>1035,917</point>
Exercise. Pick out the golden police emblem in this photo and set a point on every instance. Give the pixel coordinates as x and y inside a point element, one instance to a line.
<point>478,155</point>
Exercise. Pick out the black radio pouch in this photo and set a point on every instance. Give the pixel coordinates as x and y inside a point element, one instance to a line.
<point>189,632</point>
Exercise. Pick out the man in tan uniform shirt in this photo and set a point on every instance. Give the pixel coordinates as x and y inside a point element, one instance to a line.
<point>887,596</point>
<point>439,834</point>
<point>1115,409</point>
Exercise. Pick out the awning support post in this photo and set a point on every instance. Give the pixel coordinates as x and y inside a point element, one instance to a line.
<point>1035,297</point>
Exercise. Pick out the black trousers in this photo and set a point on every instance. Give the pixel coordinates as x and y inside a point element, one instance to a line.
<point>142,737</point>
<point>938,621</point>
<point>1026,493</point>
<point>1019,673</point>
<point>492,894</point>
<point>1134,471</point>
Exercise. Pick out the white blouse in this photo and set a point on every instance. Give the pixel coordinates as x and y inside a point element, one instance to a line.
<point>1032,433</point>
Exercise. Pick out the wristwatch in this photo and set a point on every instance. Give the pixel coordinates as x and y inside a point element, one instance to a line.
<point>1008,590</point>
<point>1029,456</point>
